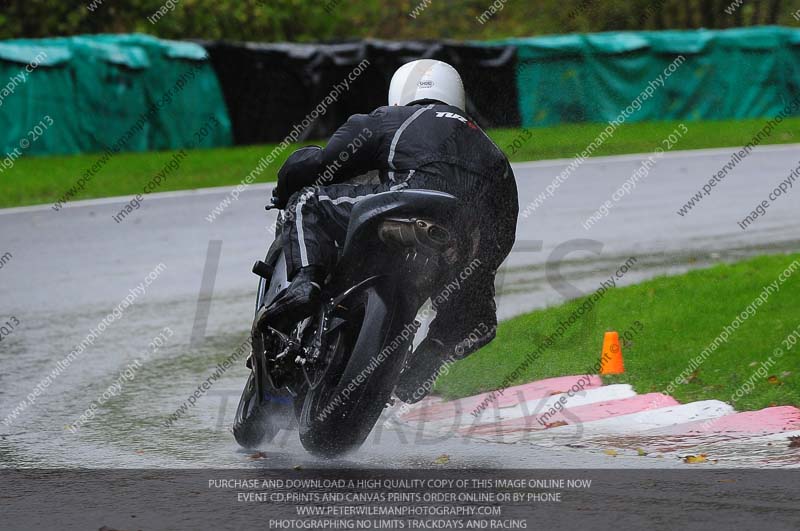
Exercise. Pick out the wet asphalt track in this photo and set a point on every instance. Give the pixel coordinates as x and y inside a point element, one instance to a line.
<point>69,269</point>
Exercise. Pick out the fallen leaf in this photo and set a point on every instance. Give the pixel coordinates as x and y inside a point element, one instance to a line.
<point>754,364</point>
<point>692,377</point>
<point>784,374</point>
<point>641,452</point>
<point>774,380</point>
<point>442,460</point>
<point>612,453</point>
<point>794,442</point>
<point>555,424</point>
<point>259,455</point>
<point>694,459</point>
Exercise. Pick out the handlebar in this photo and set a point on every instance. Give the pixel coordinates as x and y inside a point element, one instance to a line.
<point>271,204</point>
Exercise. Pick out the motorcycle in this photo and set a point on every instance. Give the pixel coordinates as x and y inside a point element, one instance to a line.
<point>332,374</point>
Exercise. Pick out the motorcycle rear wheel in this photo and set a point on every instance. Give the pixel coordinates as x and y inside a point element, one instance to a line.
<point>340,412</point>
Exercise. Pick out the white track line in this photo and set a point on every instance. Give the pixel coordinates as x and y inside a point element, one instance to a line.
<point>517,165</point>
<point>636,157</point>
<point>224,190</point>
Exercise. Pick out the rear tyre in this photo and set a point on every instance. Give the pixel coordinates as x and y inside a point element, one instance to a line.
<point>339,413</point>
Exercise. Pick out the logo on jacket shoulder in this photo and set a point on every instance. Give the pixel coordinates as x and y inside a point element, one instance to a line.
<point>455,117</point>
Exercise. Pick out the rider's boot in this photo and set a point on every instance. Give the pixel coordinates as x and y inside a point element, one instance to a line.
<point>417,379</point>
<point>297,302</point>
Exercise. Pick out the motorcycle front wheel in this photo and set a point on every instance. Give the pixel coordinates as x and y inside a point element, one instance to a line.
<point>262,411</point>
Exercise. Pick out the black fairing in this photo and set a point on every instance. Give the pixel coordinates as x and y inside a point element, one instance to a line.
<point>368,213</point>
<point>415,268</point>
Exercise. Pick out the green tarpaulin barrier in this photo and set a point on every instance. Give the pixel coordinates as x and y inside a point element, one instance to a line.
<point>723,74</point>
<point>108,92</point>
<point>25,102</point>
<point>136,92</point>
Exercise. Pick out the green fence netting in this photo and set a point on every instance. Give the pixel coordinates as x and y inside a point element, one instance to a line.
<point>735,73</point>
<point>136,92</point>
<point>117,92</point>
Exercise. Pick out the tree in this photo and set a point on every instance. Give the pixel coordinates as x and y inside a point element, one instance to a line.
<point>324,20</point>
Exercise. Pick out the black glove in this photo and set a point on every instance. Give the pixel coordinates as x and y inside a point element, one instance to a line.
<point>278,201</point>
<point>289,183</point>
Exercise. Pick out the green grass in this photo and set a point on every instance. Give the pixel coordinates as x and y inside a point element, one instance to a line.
<point>679,316</point>
<point>35,180</point>
<point>565,141</point>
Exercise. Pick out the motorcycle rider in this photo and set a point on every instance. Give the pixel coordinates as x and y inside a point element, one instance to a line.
<point>421,140</point>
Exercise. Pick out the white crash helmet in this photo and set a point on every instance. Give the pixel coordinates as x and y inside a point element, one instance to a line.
<point>427,79</point>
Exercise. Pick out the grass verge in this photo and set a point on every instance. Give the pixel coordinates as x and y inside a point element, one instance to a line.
<point>35,180</point>
<point>678,317</point>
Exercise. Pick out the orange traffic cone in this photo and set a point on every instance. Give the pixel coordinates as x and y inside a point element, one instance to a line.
<point>611,360</point>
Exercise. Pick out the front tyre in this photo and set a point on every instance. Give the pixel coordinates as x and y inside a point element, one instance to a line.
<point>263,410</point>
<point>251,425</point>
